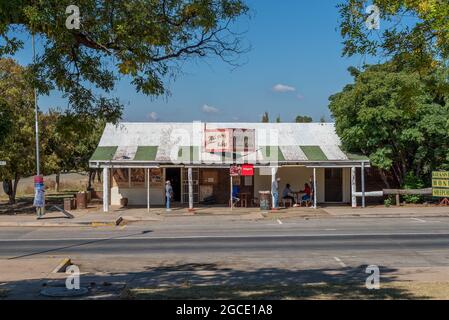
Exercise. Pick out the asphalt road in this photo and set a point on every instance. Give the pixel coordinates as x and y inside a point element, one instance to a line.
<point>202,236</point>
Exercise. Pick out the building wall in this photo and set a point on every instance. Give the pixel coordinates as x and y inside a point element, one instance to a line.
<point>347,185</point>
<point>297,176</point>
<point>137,197</point>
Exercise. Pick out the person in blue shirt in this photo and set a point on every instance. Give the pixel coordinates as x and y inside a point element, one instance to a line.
<point>275,193</point>
<point>288,193</point>
<point>168,194</point>
<point>235,194</point>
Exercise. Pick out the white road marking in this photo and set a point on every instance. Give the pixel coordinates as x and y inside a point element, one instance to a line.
<point>322,235</point>
<point>279,221</point>
<point>340,262</point>
<point>419,220</point>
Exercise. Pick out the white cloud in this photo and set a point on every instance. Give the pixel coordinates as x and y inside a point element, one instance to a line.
<point>282,88</point>
<point>153,116</point>
<point>209,109</point>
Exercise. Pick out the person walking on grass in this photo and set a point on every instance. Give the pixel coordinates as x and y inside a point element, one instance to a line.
<point>168,194</point>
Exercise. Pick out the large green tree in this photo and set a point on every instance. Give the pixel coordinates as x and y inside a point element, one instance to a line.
<point>418,29</point>
<point>67,139</point>
<point>143,40</point>
<point>397,116</point>
<point>17,147</point>
<point>71,140</point>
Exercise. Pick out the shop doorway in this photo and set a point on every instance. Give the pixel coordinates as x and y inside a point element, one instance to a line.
<point>333,185</point>
<point>174,175</point>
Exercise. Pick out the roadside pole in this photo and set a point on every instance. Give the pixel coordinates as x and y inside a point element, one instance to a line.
<point>148,190</point>
<point>190,181</point>
<point>231,200</point>
<point>363,185</point>
<point>314,189</point>
<point>39,211</point>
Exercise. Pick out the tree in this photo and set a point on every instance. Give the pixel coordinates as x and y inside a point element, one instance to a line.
<point>17,146</point>
<point>303,119</point>
<point>278,119</point>
<point>423,37</point>
<point>323,119</point>
<point>397,116</point>
<point>67,140</point>
<point>265,118</point>
<point>145,40</point>
<point>5,120</point>
<point>72,141</point>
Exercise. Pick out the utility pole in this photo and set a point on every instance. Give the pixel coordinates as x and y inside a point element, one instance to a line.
<point>39,200</point>
<point>36,117</point>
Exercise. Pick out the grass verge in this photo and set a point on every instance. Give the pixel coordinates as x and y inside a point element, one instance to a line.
<point>315,291</point>
<point>4,293</point>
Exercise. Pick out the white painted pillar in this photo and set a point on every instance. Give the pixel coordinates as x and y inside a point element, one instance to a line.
<point>314,188</point>
<point>273,178</point>
<point>190,179</point>
<point>105,189</point>
<point>363,184</point>
<point>231,199</point>
<point>148,189</point>
<point>353,187</point>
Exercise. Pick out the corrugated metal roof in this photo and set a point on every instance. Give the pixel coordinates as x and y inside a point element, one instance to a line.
<point>184,143</point>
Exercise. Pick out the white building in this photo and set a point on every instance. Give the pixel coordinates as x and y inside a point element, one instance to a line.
<point>140,157</point>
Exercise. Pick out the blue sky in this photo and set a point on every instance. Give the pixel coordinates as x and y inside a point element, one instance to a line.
<point>293,67</point>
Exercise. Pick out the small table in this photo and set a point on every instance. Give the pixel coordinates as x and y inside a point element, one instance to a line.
<point>298,195</point>
<point>244,198</point>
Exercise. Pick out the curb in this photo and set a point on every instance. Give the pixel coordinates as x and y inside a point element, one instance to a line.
<point>388,216</point>
<point>54,225</point>
<point>62,266</point>
<point>263,215</point>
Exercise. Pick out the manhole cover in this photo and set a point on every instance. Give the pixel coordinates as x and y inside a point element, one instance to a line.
<point>61,292</point>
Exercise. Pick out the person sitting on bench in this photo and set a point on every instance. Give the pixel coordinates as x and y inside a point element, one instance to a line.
<point>288,194</point>
<point>307,193</point>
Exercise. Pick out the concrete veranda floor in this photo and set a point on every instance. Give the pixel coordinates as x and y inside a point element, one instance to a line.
<point>94,215</point>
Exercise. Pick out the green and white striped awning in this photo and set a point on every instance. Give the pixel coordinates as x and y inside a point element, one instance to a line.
<point>192,154</point>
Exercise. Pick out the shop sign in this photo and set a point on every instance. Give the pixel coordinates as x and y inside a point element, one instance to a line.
<point>247,170</point>
<point>440,184</point>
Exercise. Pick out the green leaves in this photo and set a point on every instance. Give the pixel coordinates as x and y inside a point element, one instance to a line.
<point>67,140</point>
<point>396,116</point>
<point>417,28</point>
<point>143,39</point>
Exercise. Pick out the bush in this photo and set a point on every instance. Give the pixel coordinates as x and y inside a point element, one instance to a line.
<point>413,182</point>
<point>388,202</point>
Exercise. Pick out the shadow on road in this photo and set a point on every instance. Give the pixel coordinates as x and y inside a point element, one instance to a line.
<point>210,281</point>
<point>85,243</point>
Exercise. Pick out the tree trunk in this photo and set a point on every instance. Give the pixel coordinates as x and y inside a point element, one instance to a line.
<point>384,178</point>
<point>396,175</point>
<point>14,189</point>
<point>8,189</point>
<point>57,178</point>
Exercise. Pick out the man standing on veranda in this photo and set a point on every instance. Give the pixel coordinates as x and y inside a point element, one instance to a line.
<point>275,193</point>
<point>168,195</point>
